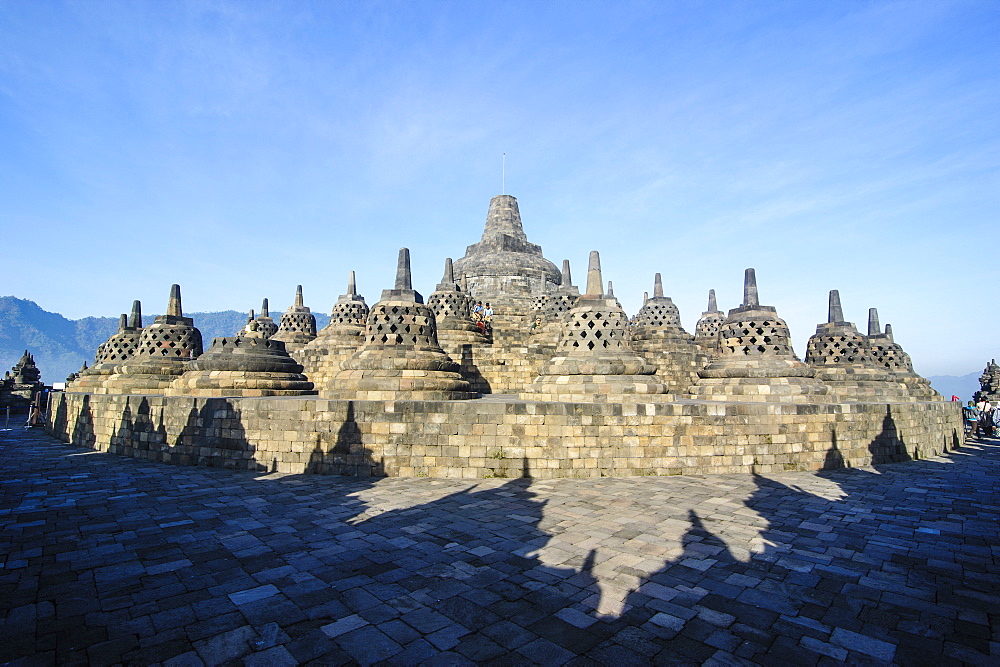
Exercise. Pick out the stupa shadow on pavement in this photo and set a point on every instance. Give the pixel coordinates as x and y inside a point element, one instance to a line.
<point>109,559</point>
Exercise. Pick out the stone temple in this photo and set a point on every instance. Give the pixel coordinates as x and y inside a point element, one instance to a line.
<point>561,382</point>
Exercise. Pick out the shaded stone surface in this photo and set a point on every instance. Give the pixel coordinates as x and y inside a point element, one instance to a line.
<point>109,560</point>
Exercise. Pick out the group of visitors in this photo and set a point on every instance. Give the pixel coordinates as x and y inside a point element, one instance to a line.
<point>982,418</point>
<point>483,316</point>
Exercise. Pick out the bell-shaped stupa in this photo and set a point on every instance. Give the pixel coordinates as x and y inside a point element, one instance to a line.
<point>756,361</point>
<point>162,354</point>
<point>504,268</point>
<point>120,347</point>
<point>593,360</point>
<point>246,365</point>
<point>297,327</point>
<point>401,358</point>
<point>890,356</point>
<point>338,340</point>
<point>843,359</point>
<point>706,331</point>
<point>265,323</point>
<point>549,312</point>
<point>657,335</point>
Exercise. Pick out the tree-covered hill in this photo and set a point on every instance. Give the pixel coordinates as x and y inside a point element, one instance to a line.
<point>60,345</point>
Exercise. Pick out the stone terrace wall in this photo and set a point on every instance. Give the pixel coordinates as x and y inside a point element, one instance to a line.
<point>502,438</point>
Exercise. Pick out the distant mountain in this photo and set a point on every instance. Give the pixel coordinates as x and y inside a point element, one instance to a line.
<point>963,386</point>
<point>60,345</point>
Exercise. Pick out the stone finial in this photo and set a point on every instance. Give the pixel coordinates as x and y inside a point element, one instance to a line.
<point>465,282</point>
<point>122,322</point>
<point>834,313</point>
<point>750,299</point>
<point>403,278</point>
<point>299,303</point>
<point>503,219</point>
<point>595,282</point>
<point>888,333</point>
<point>657,287</point>
<point>712,305</point>
<point>567,279</point>
<point>135,320</point>
<point>252,316</point>
<point>174,304</point>
<point>645,297</point>
<point>449,272</point>
<point>611,289</point>
<point>874,329</point>
<point>352,287</point>
<point>264,310</point>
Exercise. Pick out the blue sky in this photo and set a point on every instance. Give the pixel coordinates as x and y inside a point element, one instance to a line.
<point>241,148</point>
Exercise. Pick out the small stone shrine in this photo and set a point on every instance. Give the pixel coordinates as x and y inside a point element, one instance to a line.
<point>890,356</point>
<point>843,360</point>
<point>162,353</point>
<point>246,365</point>
<point>297,327</point>
<point>457,334</point>
<point>20,384</point>
<point>121,346</point>
<point>401,358</point>
<point>593,361</point>
<point>706,331</point>
<point>657,336</point>
<point>989,383</point>
<point>756,361</point>
<point>337,341</point>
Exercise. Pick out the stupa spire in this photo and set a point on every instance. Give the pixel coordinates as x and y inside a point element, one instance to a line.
<point>567,279</point>
<point>135,320</point>
<point>657,287</point>
<point>352,287</point>
<point>750,299</point>
<point>834,313</point>
<point>712,305</point>
<point>595,282</point>
<point>874,329</point>
<point>264,311</point>
<point>122,322</point>
<point>174,304</point>
<point>449,272</point>
<point>299,303</point>
<point>403,278</point>
<point>611,289</point>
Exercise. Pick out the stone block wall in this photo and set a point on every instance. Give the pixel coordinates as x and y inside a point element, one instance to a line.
<point>502,437</point>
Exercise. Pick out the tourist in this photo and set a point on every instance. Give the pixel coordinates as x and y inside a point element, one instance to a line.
<point>488,313</point>
<point>987,419</point>
<point>477,311</point>
<point>537,324</point>
<point>971,414</point>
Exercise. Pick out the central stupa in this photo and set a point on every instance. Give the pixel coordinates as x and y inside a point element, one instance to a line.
<point>504,268</point>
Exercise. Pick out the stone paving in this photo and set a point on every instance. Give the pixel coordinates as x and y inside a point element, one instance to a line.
<point>112,560</point>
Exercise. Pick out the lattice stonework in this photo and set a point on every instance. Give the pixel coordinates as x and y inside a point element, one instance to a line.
<point>392,324</point>
<point>891,357</point>
<point>172,341</point>
<point>450,304</point>
<point>594,330</point>
<point>298,323</point>
<point>119,347</point>
<point>656,314</point>
<point>353,312</point>
<point>554,307</point>
<point>839,349</point>
<point>763,337</point>
<point>708,326</point>
<point>266,327</point>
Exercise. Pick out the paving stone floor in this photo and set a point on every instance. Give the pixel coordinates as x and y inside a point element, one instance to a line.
<point>112,560</point>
